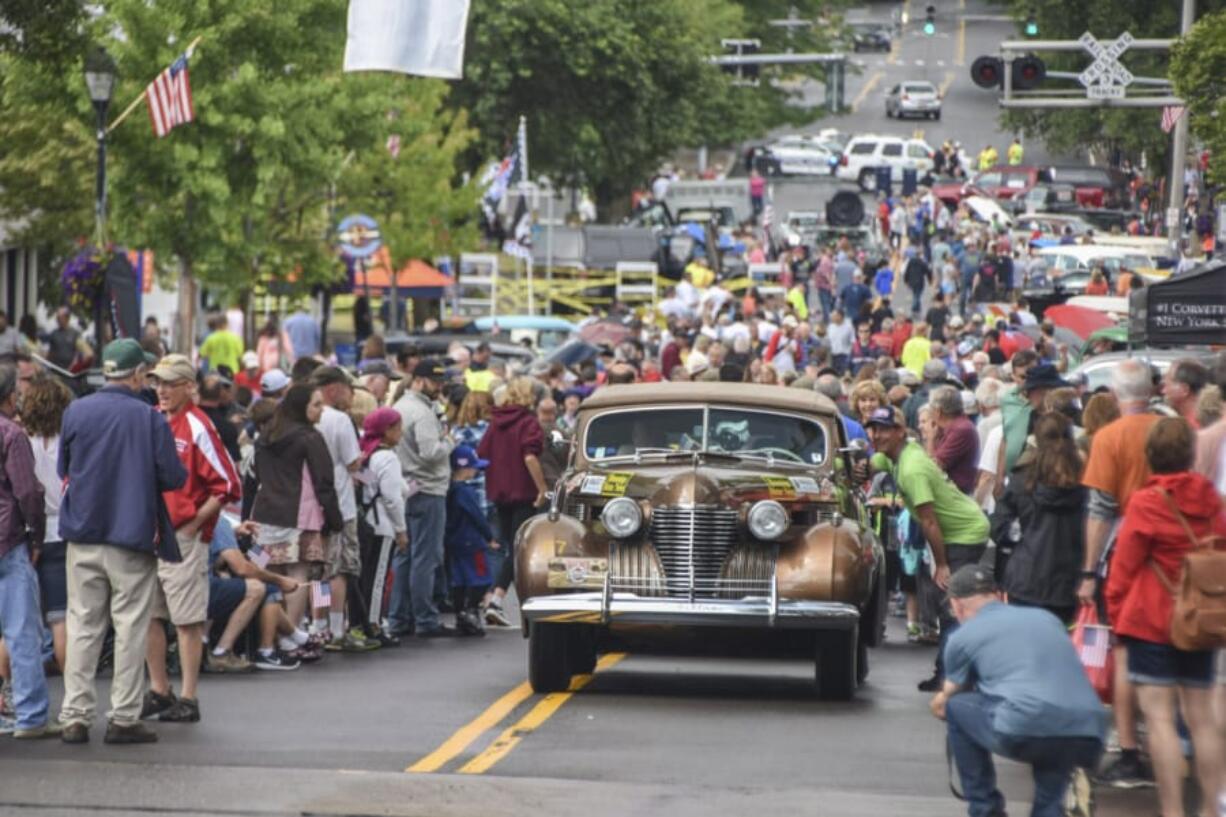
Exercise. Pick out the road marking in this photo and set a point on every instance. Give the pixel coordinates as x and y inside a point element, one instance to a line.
<point>940,63</point>
<point>945,83</point>
<point>543,711</point>
<point>869,85</point>
<point>918,133</point>
<point>919,63</point>
<point>960,59</point>
<point>468,733</point>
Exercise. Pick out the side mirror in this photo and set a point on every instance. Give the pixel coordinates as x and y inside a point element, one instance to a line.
<point>559,442</point>
<point>856,447</point>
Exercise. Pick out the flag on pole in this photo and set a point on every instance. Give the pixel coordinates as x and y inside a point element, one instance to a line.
<point>499,176</point>
<point>1170,116</point>
<point>321,595</point>
<point>520,242</point>
<point>423,37</point>
<point>170,97</point>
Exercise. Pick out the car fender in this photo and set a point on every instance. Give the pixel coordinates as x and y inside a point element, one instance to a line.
<point>831,563</point>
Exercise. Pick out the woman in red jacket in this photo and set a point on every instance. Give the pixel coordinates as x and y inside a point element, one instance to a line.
<point>514,480</point>
<point>1140,608</point>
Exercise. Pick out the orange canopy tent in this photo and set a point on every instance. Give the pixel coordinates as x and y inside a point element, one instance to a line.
<point>416,279</point>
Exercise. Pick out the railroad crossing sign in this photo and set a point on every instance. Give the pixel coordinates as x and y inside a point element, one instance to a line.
<point>1105,78</point>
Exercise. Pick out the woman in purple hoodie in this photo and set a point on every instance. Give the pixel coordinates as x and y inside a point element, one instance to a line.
<point>514,481</point>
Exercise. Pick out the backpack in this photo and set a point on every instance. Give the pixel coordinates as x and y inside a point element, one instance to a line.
<point>1198,621</point>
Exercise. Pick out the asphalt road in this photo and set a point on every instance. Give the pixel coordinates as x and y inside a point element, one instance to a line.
<point>645,735</point>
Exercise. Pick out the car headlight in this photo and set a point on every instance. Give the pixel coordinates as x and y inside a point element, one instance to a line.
<point>622,517</point>
<point>768,520</point>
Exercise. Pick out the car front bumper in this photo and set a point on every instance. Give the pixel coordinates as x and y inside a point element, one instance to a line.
<point>629,608</point>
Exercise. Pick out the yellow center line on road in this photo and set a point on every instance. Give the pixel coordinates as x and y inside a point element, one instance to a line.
<point>543,711</point>
<point>896,45</point>
<point>960,58</point>
<point>945,83</point>
<point>869,85</point>
<point>468,733</point>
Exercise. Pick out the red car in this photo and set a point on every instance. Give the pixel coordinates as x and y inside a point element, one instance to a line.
<point>1096,186</point>
<point>1001,182</point>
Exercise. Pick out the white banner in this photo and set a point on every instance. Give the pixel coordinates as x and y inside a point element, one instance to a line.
<point>423,37</point>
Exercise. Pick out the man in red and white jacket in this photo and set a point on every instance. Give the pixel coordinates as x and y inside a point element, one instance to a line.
<point>183,587</point>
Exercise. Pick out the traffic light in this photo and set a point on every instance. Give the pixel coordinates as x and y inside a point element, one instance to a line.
<point>988,72</point>
<point>930,21</point>
<point>1028,73</point>
<point>745,74</point>
<point>1031,27</point>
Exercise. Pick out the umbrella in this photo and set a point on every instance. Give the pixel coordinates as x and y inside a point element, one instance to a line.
<point>1014,340</point>
<point>1080,320</point>
<point>573,353</point>
<point>605,333</point>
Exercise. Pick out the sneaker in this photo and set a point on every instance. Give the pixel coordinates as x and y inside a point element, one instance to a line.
<point>350,642</point>
<point>277,660</point>
<point>50,729</point>
<point>495,615</point>
<point>228,662</point>
<point>6,702</point>
<point>75,732</point>
<point>135,733</point>
<point>155,704</point>
<point>441,631</point>
<point>932,684</point>
<point>304,654</point>
<point>7,725</point>
<point>469,623</point>
<point>185,710</point>
<point>384,639</point>
<point>359,635</point>
<point>913,633</point>
<point>1127,772</point>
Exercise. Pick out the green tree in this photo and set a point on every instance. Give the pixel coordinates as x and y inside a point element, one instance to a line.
<point>49,31</point>
<point>1198,72</point>
<point>1131,130</point>
<point>610,87</point>
<point>251,187</point>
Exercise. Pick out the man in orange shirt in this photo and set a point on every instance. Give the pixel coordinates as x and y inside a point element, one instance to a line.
<point>1116,469</point>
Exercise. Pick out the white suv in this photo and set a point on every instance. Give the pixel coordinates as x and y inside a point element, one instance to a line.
<point>864,154</point>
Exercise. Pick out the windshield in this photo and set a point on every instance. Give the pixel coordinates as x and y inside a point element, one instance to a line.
<point>721,430</point>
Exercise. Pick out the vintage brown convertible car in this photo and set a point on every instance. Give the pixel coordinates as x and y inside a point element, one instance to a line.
<point>701,514</point>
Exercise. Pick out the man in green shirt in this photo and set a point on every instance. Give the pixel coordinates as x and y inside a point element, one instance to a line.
<point>222,347</point>
<point>952,523</point>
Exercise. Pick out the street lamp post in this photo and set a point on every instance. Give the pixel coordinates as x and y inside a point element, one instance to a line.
<point>100,80</point>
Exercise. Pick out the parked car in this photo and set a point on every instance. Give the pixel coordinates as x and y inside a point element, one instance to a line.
<point>913,99</point>
<point>1063,259</point>
<point>864,154</point>
<point>703,515</point>
<point>1097,370</point>
<point>1050,291</point>
<point>541,331</point>
<point>1006,181</point>
<point>1045,198</point>
<point>1096,186</point>
<point>1049,226</point>
<point>870,37</point>
<point>801,155</point>
<point>436,345</point>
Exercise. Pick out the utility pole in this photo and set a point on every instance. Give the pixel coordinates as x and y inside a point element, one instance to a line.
<point>1179,152</point>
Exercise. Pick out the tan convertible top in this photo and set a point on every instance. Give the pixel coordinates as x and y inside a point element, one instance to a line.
<point>739,394</point>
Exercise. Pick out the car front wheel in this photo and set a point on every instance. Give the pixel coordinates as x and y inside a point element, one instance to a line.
<point>837,668</point>
<point>548,669</point>
<point>581,649</point>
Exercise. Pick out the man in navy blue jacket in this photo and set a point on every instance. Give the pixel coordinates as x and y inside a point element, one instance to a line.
<point>117,456</point>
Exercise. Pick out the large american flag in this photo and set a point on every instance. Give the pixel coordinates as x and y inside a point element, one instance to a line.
<point>170,97</point>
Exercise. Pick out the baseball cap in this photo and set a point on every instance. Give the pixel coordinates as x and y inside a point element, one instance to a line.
<point>378,367</point>
<point>956,322</point>
<point>122,357</point>
<point>971,580</point>
<point>327,375</point>
<point>883,417</point>
<point>251,360</point>
<point>273,381</point>
<point>465,456</point>
<point>431,368</point>
<point>174,368</point>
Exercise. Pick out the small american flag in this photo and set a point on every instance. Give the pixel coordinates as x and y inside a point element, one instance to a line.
<point>170,97</point>
<point>1095,642</point>
<point>321,595</point>
<point>393,145</point>
<point>259,557</point>
<point>1170,115</point>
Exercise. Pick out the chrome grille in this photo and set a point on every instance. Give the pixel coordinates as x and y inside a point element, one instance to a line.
<point>692,545</point>
<point>575,508</point>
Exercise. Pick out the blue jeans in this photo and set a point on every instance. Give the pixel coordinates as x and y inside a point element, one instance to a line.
<point>973,741</point>
<point>20,617</point>
<point>826,297</point>
<point>413,586</point>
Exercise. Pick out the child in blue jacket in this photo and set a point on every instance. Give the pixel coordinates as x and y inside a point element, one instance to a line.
<point>468,537</point>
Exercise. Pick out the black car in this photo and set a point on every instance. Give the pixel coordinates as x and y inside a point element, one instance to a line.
<point>870,38</point>
<point>1052,292</point>
<point>1045,198</point>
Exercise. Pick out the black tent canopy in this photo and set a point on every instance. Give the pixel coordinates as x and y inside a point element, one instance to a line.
<point>1188,310</point>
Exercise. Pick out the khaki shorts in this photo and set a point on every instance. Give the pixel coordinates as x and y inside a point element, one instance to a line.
<point>344,555</point>
<point>182,596</point>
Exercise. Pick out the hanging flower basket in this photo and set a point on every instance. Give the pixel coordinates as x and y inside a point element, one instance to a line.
<point>82,279</point>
